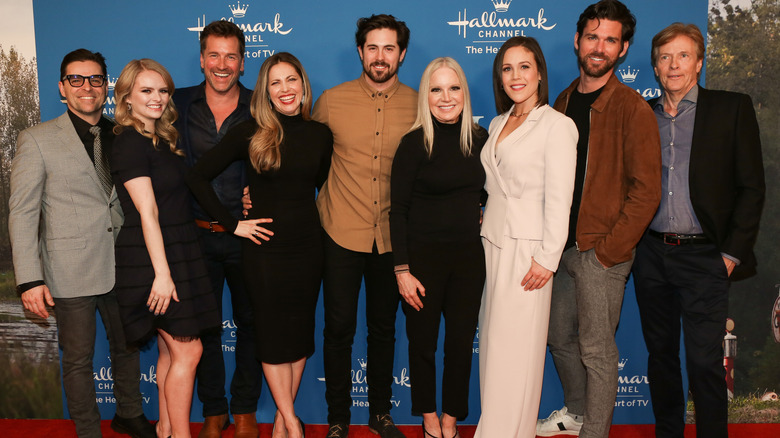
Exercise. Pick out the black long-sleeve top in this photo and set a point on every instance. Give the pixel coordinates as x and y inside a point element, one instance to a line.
<point>436,198</point>
<point>285,195</point>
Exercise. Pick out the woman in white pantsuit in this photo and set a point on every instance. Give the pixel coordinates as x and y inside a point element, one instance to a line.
<point>530,161</point>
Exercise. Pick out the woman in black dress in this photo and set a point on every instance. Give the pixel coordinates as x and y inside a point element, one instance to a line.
<point>287,156</point>
<point>436,189</point>
<point>161,280</point>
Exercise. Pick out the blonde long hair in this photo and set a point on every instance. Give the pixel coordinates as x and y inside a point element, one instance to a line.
<point>163,127</point>
<point>424,118</point>
<point>264,153</point>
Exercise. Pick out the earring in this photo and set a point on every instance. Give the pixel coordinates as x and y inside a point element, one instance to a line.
<point>129,107</point>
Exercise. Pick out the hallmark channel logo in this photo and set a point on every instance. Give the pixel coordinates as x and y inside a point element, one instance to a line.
<point>237,10</point>
<point>632,390</point>
<point>501,5</point>
<point>104,377</point>
<point>627,75</point>
<point>359,390</point>
<point>255,32</point>
<point>229,334</point>
<point>496,26</point>
<point>110,105</point>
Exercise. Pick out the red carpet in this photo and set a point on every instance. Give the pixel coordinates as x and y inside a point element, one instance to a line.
<point>65,429</point>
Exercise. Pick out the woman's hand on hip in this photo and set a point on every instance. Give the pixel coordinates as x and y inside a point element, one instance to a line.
<point>251,229</point>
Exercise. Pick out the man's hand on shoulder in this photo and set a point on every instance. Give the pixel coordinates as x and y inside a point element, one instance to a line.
<point>36,299</point>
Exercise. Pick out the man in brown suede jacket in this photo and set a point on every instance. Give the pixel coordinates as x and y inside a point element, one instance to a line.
<point>616,193</point>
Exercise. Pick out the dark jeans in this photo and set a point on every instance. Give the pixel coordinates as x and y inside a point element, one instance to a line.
<point>76,325</point>
<point>222,252</point>
<point>344,270</point>
<point>687,283</point>
<point>453,276</point>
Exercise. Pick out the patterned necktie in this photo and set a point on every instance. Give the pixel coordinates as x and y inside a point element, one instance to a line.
<point>101,163</point>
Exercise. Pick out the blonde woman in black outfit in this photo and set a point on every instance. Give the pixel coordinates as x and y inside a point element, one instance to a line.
<point>287,156</point>
<point>436,191</point>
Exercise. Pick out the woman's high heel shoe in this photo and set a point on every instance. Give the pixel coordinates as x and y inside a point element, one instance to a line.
<point>426,433</point>
<point>273,431</point>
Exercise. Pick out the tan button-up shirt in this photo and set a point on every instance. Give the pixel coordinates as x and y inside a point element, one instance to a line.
<point>367,126</point>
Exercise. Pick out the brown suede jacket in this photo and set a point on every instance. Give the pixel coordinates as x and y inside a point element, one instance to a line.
<point>622,187</point>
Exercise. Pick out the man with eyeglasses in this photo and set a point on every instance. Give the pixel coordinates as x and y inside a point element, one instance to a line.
<point>64,217</point>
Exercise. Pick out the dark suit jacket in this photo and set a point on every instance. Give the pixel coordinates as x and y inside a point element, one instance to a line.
<point>726,176</point>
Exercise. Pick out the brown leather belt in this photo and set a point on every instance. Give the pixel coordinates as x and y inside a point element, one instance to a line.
<point>679,239</point>
<point>214,227</point>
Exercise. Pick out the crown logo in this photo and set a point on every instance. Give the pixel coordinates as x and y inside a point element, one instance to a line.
<point>111,82</point>
<point>501,5</point>
<point>622,364</point>
<point>238,11</point>
<point>362,363</point>
<point>628,75</point>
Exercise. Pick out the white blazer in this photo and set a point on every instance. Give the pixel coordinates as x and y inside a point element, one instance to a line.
<point>530,180</point>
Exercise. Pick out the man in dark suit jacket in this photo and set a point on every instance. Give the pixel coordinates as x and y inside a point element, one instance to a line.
<point>702,236</point>
<point>64,217</point>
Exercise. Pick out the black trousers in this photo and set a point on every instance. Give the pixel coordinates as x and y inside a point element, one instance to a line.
<point>688,284</point>
<point>453,276</point>
<point>344,271</point>
<point>222,252</point>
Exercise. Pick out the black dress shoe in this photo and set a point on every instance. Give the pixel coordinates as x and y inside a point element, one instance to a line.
<point>383,426</point>
<point>338,430</point>
<point>138,427</point>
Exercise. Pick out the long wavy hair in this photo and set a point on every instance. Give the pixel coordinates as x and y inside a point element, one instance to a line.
<point>163,127</point>
<point>424,118</point>
<point>264,153</point>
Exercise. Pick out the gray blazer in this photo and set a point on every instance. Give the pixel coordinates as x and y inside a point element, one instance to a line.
<point>61,223</point>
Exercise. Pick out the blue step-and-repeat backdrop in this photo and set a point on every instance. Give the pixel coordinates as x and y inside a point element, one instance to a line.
<point>321,34</point>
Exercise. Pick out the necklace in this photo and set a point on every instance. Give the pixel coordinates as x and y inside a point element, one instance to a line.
<point>519,115</point>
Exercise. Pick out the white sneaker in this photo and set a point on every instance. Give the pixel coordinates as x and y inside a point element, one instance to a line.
<point>558,423</point>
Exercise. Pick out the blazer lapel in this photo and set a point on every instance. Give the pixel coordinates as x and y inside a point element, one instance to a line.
<point>490,149</point>
<point>699,123</point>
<point>72,143</point>
<point>523,129</point>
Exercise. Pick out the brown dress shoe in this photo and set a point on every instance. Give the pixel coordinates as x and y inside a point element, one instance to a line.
<point>246,425</point>
<point>214,425</point>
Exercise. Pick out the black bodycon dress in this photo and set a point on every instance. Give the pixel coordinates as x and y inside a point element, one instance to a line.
<point>283,274</point>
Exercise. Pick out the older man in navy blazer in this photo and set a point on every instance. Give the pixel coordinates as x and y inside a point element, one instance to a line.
<point>702,236</point>
<point>64,216</point>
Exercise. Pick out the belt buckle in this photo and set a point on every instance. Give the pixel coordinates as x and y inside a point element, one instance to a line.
<point>211,226</point>
<point>671,239</point>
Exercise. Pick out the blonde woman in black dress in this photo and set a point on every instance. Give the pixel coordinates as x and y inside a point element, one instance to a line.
<point>161,281</point>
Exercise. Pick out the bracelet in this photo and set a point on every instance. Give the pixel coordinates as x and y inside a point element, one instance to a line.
<point>400,269</point>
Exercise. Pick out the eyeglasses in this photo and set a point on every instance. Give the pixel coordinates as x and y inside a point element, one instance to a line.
<point>78,80</point>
